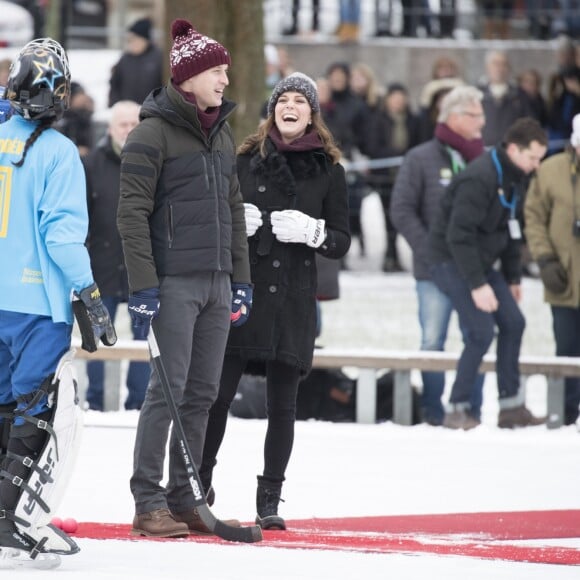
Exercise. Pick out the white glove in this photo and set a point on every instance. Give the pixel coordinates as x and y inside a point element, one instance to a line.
<point>293,226</point>
<point>253,219</point>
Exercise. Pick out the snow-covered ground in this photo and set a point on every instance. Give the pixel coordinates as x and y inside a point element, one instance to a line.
<point>336,470</point>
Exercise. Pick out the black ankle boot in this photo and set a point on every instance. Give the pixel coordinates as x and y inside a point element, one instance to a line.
<point>205,474</point>
<point>267,500</point>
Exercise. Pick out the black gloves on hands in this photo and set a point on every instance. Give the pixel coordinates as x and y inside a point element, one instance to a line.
<point>553,274</point>
<point>93,319</point>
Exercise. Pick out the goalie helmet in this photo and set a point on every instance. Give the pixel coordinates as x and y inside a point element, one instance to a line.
<point>39,80</point>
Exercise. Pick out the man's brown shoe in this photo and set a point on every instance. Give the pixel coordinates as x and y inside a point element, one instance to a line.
<point>460,419</point>
<point>196,525</point>
<point>158,524</point>
<point>518,417</point>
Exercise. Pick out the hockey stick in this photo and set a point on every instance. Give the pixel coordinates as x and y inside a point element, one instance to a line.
<point>248,534</point>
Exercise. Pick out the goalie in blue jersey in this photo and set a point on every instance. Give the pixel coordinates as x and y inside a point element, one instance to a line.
<point>45,272</point>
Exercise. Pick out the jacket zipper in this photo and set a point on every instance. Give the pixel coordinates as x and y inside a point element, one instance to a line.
<point>170,225</point>
<point>216,161</point>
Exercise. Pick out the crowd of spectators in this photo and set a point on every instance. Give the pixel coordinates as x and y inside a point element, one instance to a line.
<point>375,125</point>
<point>370,121</point>
<point>485,19</point>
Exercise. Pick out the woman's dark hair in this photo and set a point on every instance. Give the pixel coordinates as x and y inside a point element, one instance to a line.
<point>258,139</point>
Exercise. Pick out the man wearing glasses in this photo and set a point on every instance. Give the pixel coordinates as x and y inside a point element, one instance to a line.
<point>425,173</point>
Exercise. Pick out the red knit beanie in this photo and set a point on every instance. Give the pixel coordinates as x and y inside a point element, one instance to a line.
<point>192,52</point>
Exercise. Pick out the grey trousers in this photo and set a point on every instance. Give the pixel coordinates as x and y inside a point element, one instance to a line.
<point>192,330</point>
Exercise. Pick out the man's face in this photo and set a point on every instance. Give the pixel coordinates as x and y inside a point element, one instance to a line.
<point>136,44</point>
<point>468,122</point>
<point>527,159</point>
<point>124,120</point>
<point>498,69</point>
<point>208,86</point>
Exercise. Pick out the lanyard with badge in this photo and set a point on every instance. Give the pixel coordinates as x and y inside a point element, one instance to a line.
<point>513,223</point>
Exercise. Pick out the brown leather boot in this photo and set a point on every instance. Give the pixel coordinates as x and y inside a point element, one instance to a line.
<point>196,525</point>
<point>158,524</point>
<point>518,417</point>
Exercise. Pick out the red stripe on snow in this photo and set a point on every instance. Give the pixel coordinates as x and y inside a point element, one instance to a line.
<point>480,535</point>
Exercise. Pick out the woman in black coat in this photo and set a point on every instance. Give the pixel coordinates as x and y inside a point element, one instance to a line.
<point>296,205</point>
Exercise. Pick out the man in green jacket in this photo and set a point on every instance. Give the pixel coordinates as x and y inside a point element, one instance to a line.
<point>552,217</point>
<point>181,219</point>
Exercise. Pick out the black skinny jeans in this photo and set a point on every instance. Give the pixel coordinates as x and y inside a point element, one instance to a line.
<point>281,391</point>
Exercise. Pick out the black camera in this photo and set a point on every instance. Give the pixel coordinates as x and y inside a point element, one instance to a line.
<point>576,228</point>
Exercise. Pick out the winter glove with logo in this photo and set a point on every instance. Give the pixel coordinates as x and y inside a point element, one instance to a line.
<point>253,219</point>
<point>93,319</point>
<point>143,308</point>
<point>241,303</point>
<point>293,226</point>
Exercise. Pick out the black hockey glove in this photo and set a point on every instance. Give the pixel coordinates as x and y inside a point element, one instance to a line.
<point>93,319</point>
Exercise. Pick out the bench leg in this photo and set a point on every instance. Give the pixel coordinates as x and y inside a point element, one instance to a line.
<point>366,396</point>
<point>112,393</point>
<point>403,398</point>
<point>555,401</point>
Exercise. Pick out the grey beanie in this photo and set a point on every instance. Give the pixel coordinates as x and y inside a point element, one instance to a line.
<point>299,83</point>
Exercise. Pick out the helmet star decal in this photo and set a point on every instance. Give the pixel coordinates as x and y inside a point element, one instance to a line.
<point>46,72</point>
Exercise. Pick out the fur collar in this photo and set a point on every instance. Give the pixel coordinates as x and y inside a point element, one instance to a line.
<point>283,169</point>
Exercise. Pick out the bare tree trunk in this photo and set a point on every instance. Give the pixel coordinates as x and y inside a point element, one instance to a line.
<point>239,26</point>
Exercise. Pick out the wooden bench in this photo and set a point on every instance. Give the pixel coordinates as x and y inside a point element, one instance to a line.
<point>371,361</point>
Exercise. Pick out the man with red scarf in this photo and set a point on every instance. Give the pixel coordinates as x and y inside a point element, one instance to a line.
<point>425,173</point>
<point>181,218</point>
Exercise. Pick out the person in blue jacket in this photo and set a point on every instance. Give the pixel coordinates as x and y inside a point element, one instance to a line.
<point>45,266</point>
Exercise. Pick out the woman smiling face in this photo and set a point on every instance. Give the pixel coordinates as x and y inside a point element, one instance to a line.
<point>292,115</point>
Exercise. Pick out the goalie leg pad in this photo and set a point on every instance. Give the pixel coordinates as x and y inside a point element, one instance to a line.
<point>21,455</point>
<point>57,439</point>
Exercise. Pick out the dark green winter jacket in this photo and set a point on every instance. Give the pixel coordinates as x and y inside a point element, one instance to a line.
<point>180,207</point>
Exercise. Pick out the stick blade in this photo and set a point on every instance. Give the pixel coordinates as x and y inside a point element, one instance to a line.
<point>247,534</point>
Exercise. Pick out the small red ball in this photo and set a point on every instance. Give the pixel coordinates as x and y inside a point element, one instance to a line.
<point>69,525</point>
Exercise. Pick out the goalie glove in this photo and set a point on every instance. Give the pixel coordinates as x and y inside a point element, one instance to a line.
<point>93,319</point>
<point>253,218</point>
<point>293,226</point>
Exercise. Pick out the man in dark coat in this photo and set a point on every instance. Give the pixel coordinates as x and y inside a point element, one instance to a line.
<point>503,101</point>
<point>181,219</point>
<point>103,168</point>
<point>140,68</point>
<point>425,173</point>
<point>479,223</point>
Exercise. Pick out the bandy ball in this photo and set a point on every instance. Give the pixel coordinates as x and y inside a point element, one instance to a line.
<point>69,525</point>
